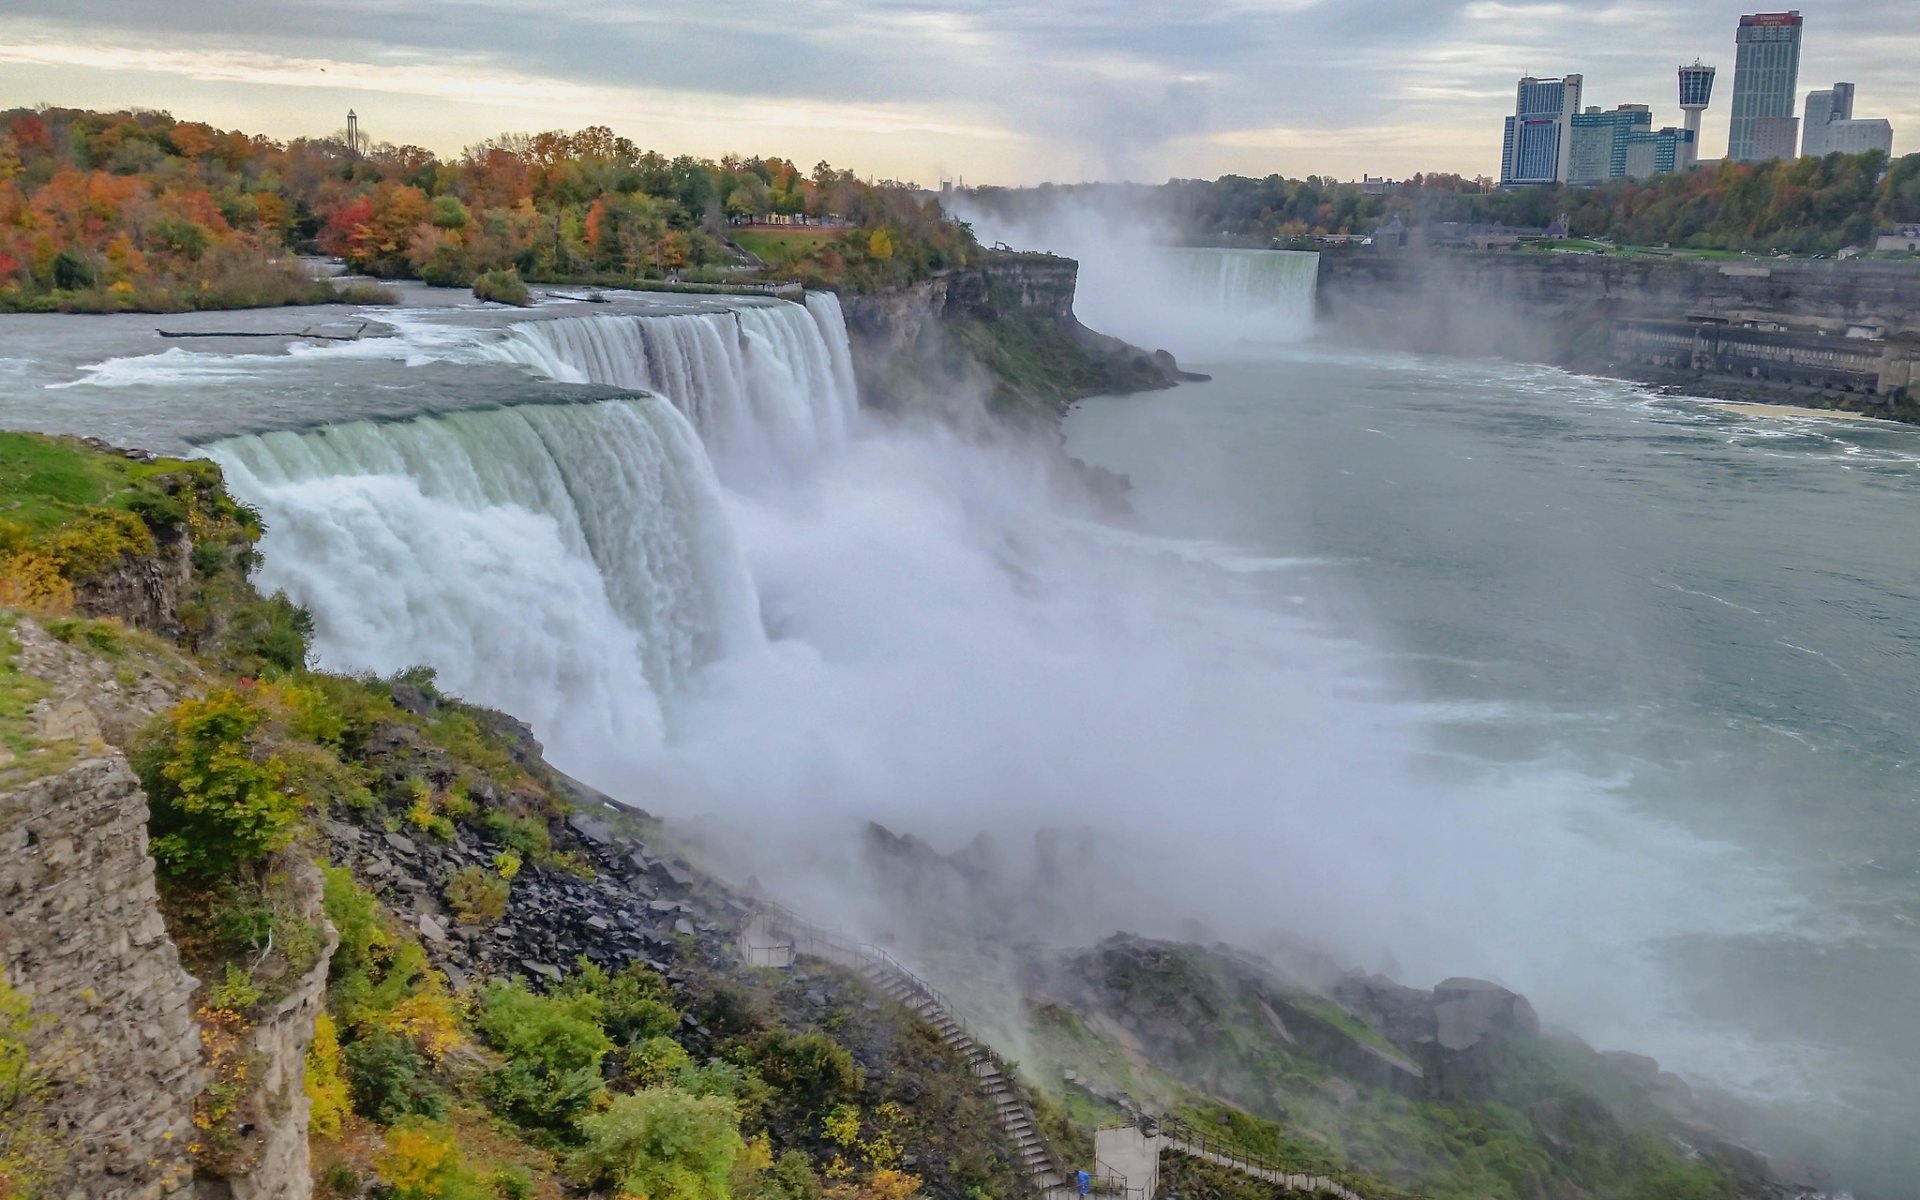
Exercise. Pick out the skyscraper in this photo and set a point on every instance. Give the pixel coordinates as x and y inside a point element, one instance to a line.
<point>1600,140</point>
<point>1830,126</point>
<point>1538,147</point>
<point>1823,109</point>
<point>1696,92</point>
<point>1766,78</point>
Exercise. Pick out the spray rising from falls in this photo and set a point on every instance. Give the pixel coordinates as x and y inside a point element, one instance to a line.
<point>569,562</point>
<point>763,383</point>
<point>1204,303</point>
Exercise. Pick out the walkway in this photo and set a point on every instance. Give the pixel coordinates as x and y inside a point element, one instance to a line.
<point>774,937</point>
<point>1127,1157</point>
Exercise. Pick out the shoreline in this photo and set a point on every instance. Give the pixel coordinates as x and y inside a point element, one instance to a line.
<point>1777,411</point>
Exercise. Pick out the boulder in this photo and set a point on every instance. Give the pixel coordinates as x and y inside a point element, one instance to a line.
<point>1469,1011</point>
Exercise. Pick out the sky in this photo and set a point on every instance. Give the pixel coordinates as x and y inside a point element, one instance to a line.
<point>992,91</point>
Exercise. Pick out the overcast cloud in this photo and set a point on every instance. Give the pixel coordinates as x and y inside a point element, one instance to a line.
<point>999,91</point>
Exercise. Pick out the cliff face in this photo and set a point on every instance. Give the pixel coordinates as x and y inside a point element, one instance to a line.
<point>83,937</point>
<point>1417,299</point>
<point>1004,329</point>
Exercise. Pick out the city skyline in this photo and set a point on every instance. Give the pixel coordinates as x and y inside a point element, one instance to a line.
<point>994,91</point>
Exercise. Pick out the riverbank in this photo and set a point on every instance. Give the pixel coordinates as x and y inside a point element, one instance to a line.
<point>1821,335</point>
<point>1797,412</point>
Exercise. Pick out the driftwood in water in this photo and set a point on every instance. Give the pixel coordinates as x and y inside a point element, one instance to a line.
<point>589,298</point>
<point>304,333</point>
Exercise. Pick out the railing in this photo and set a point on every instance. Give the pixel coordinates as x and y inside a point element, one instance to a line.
<point>817,941</point>
<point>1188,1137</point>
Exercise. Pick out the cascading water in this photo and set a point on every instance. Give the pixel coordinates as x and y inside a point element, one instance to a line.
<point>569,562</point>
<point>763,381</point>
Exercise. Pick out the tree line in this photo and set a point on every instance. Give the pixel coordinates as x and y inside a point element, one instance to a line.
<point>1808,205</point>
<point>137,210</point>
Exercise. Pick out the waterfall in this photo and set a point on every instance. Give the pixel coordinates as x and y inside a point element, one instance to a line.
<point>570,562</point>
<point>1278,285</point>
<point>770,381</point>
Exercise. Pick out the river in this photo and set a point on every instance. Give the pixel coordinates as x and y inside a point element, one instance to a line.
<point>1456,667</point>
<point>1686,632</point>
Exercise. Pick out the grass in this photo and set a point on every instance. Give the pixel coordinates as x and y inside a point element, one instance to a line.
<point>46,481</point>
<point>769,244</point>
<point>1345,1022</point>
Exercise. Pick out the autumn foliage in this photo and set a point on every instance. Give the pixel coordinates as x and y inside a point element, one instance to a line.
<point>135,210</point>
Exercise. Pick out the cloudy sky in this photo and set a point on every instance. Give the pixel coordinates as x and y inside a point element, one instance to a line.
<point>997,91</point>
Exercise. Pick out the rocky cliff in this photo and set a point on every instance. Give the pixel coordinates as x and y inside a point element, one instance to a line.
<point>1003,330</point>
<point>83,938</point>
<point>1564,309</point>
<point>1532,304</point>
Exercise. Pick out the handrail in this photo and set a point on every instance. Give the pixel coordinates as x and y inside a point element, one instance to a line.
<point>1185,1135</point>
<point>783,919</point>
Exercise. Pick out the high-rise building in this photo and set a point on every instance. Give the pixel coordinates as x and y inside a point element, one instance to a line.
<point>1538,147</point>
<point>1766,79</point>
<point>1830,127</point>
<point>1775,137</point>
<point>1860,136</point>
<point>1823,109</point>
<point>1656,152</point>
<point>1600,139</point>
<point>1696,93</point>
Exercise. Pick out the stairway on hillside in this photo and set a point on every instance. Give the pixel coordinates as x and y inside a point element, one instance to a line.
<point>775,937</point>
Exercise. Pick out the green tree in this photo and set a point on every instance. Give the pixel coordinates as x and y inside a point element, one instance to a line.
<point>661,1143</point>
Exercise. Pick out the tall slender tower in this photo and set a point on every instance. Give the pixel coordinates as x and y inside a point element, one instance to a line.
<point>353,134</point>
<point>1766,80</point>
<point>1696,93</point>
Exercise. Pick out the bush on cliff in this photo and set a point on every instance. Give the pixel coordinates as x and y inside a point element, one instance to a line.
<point>218,795</point>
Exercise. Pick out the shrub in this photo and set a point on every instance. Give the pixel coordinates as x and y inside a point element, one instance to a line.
<point>420,1161</point>
<point>631,1005</point>
<point>388,1080</point>
<point>661,1143</point>
<point>807,1069</point>
<point>503,287</point>
<point>276,632</point>
<point>326,1086</point>
<point>218,800</point>
<point>477,894</point>
<point>29,1154</point>
<point>364,291</point>
<point>555,1048</point>
<point>656,1061</point>
<point>528,835</point>
<point>236,992</point>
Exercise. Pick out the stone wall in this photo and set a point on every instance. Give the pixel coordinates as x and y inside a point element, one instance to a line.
<point>279,1163</point>
<point>81,934</point>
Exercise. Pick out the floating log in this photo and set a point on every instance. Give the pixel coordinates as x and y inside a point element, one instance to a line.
<point>304,333</point>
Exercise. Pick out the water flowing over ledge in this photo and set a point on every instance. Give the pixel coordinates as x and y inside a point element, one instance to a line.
<point>765,380</point>
<point>571,561</point>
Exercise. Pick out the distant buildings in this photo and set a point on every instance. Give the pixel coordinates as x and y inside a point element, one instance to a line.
<point>1539,136</point>
<point>1696,93</point>
<point>1600,140</point>
<point>1830,127</point>
<point>1766,79</point>
<point>1550,140</point>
